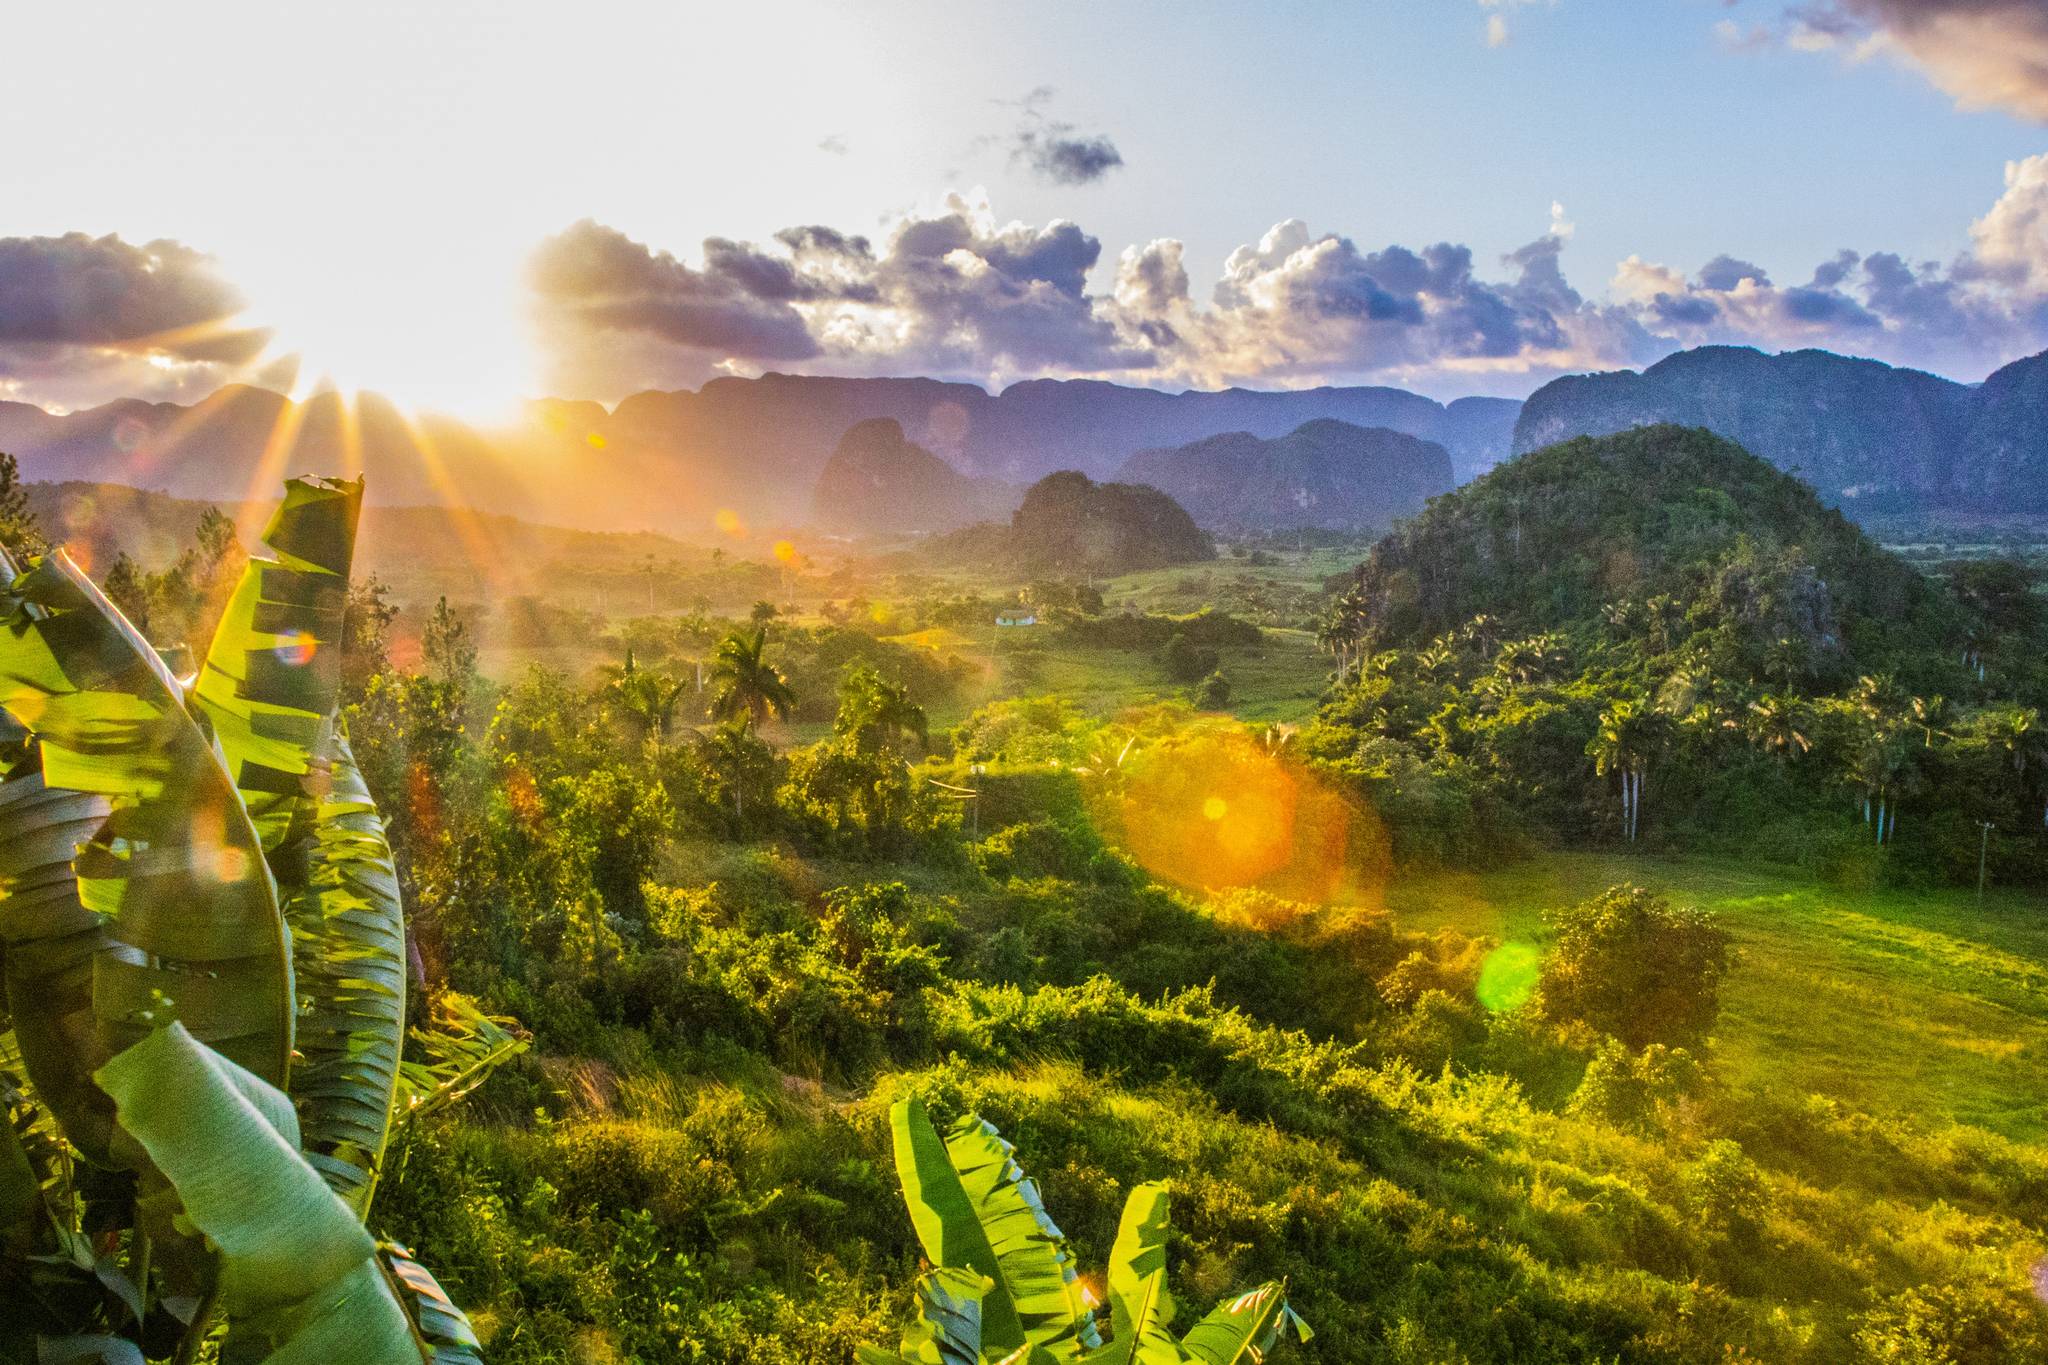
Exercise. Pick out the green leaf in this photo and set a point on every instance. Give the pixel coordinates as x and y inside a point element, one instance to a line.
<point>348,948</point>
<point>299,1277</point>
<point>948,1329</point>
<point>87,1349</point>
<point>459,1053</point>
<point>1246,1327</point>
<point>273,671</point>
<point>177,901</point>
<point>1140,1308</point>
<point>444,1327</point>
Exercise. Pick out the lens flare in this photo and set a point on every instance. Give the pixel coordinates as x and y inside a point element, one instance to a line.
<point>1508,976</point>
<point>594,441</point>
<point>729,523</point>
<point>296,649</point>
<point>785,550</point>
<point>1213,809</point>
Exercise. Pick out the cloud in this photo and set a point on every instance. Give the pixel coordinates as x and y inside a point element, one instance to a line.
<point>954,292</point>
<point>1063,157</point>
<point>82,318</point>
<point>1055,151</point>
<point>1987,54</point>
<point>1497,34</point>
<point>834,145</point>
<point>950,292</point>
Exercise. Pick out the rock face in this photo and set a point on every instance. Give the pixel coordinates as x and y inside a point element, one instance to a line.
<point>1068,523</point>
<point>878,482</point>
<point>1869,437</point>
<point>1324,474</point>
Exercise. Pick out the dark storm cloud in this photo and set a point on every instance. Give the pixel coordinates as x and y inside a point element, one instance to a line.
<point>1061,155</point>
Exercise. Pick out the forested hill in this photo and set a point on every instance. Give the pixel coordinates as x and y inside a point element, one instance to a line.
<point>1555,539</point>
<point>1656,635</point>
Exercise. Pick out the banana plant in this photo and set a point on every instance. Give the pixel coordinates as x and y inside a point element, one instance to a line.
<point>203,982</point>
<point>1003,1288</point>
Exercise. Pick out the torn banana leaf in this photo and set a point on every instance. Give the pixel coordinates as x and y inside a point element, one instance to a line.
<point>348,947</point>
<point>273,670</point>
<point>180,902</point>
<point>456,1055</point>
<point>300,1280</point>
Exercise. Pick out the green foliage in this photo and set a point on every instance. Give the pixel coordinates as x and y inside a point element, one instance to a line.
<point>229,1083</point>
<point>1636,967</point>
<point>1005,1284</point>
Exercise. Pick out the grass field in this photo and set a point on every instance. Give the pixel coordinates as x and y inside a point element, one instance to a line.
<point>1899,1003</point>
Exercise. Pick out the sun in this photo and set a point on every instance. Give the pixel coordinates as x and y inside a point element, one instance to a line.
<point>429,334</point>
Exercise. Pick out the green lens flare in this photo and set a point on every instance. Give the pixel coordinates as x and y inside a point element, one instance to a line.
<point>1508,977</point>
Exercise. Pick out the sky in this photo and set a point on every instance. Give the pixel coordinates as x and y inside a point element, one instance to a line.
<point>464,204</point>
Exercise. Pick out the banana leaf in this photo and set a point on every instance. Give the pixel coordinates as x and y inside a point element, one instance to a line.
<point>174,876</point>
<point>348,949</point>
<point>300,1280</point>
<point>949,1316</point>
<point>444,1327</point>
<point>273,670</point>
<point>1140,1308</point>
<point>456,1055</point>
<point>974,1208</point>
<point>1245,1328</point>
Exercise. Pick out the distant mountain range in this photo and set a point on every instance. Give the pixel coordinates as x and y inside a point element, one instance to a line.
<point>1870,438</point>
<point>1325,474</point>
<point>671,460</point>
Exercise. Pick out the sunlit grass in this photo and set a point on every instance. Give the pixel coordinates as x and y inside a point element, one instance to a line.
<point>1902,1003</point>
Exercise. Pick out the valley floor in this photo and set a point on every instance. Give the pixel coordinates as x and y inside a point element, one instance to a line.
<point>1909,1004</point>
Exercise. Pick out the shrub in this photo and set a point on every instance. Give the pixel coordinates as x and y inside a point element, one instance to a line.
<point>1634,966</point>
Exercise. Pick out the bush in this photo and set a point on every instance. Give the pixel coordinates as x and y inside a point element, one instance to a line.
<point>1633,966</point>
<point>1186,661</point>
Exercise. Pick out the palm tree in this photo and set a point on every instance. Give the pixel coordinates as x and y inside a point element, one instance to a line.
<point>1623,745</point>
<point>1877,764</point>
<point>650,698</point>
<point>875,712</point>
<point>2016,732</point>
<point>1928,715</point>
<point>749,689</point>
<point>1777,723</point>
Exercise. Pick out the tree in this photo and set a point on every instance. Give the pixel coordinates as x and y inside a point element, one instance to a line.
<point>366,618</point>
<point>735,760</point>
<point>1632,965</point>
<point>1185,661</point>
<point>748,689</point>
<point>446,649</point>
<point>1213,694</point>
<point>874,713</point>
<point>1004,1284</point>
<point>2017,736</point>
<point>1776,723</point>
<point>20,535</point>
<point>1629,735</point>
<point>648,697</point>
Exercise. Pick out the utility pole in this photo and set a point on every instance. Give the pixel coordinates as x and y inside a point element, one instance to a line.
<point>1983,849</point>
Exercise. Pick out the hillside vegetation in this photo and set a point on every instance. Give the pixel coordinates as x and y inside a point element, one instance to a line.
<point>1657,636</point>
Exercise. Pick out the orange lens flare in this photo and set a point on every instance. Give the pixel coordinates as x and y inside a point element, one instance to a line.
<point>1214,809</point>
<point>729,523</point>
<point>296,649</point>
<point>785,550</point>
